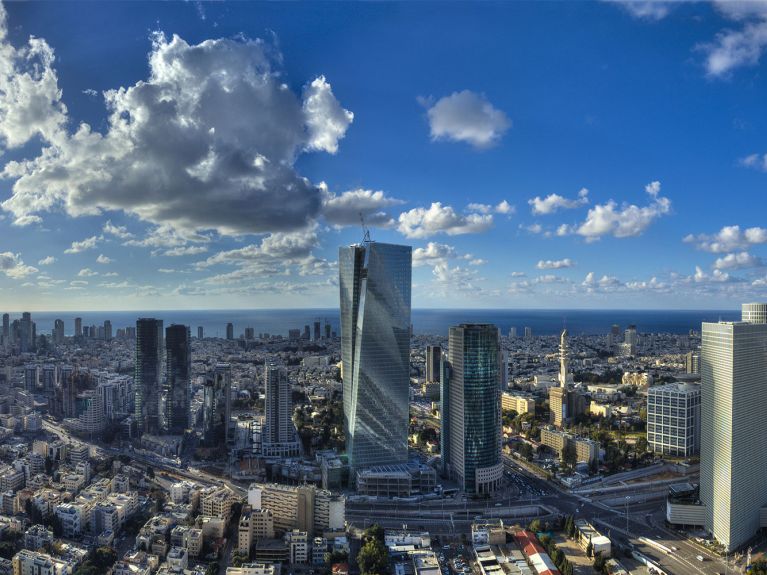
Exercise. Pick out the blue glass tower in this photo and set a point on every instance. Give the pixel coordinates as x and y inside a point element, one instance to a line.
<point>471,416</point>
<point>375,284</point>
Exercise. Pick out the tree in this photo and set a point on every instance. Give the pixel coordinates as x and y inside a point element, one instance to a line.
<point>373,559</point>
<point>535,526</point>
<point>599,562</point>
<point>375,531</point>
<point>570,455</point>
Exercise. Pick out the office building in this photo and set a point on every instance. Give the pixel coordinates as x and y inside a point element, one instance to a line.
<point>301,507</point>
<point>306,332</point>
<point>78,327</point>
<point>316,331</point>
<point>754,312</point>
<point>630,342</point>
<point>692,363</point>
<point>107,330</point>
<point>433,363</point>
<point>586,450</point>
<point>474,413</point>
<point>229,331</point>
<point>6,327</point>
<point>278,406</point>
<point>178,374</point>
<point>375,282</point>
<point>148,375</point>
<point>27,334</point>
<point>58,332</point>
<point>512,332</point>
<point>328,333</point>
<point>673,419</point>
<point>733,428</point>
<point>217,406</point>
<point>200,332</point>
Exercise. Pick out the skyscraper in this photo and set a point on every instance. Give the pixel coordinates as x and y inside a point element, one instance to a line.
<point>148,375</point>
<point>27,333</point>
<point>6,327</point>
<point>433,363</point>
<point>278,406</point>
<point>375,282</point>
<point>316,331</point>
<point>200,332</point>
<point>178,374</point>
<point>217,406</point>
<point>78,327</point>
<point>107,330</point>
<point>474,408</point>
<point>229,331</point>
<point>733,427</point>
<point>58,332</point>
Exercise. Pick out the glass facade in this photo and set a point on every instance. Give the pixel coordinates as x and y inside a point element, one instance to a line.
<point>178,374</point>
<point>473,414</point>
<point>673,419</point>
<point>375,281</point>
<point>148,375</point>
<point>216,407</point>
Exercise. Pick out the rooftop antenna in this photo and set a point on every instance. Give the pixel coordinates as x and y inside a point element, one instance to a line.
<point>365,230</point>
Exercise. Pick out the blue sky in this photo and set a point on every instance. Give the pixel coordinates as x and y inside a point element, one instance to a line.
<point>534,154</point>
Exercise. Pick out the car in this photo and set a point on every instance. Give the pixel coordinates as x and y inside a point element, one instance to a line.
<point>700,558</point>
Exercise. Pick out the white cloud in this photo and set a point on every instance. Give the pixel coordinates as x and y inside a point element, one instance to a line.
<point>207,142</point>
<point>626,220</point>
<point>116,231</point>
<point>645,9</point>
<point>86,273</point>
<point>555,264</point>
<point>11,264</point>
<point>27,220</point>
<point>518,274</point>
<point>423,222</point>
<point>756,161</point>
<point>505,207</point>
<point>326,120</point>
<point>738,46</point>
<point>78,283</point>
<point>554,202</point>
<point>81,246</point>
<point>467,117</point>
<point>46,261</point>
<point>30,98</point>
<point>433,252</point>
<point>736,261</point>
<point>728,239</point>
<point>345,209</point>
<point>102,259</point>
<point>550,279</point>
<point>185,251</point>
<point>717,276</point>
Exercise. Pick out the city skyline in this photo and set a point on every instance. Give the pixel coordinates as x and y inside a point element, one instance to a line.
<point>454,160</point>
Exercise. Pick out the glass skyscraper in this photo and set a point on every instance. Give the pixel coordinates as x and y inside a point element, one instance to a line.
<point>471,417</point>
<point>178,374</point>
<point>375,282</point>
<point>148,375</point>
<point>217,406</point>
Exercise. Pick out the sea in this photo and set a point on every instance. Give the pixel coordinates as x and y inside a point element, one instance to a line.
<point>425,321</point>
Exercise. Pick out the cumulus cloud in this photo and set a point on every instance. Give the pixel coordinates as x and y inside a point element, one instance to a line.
<point>554,202</point>
<point>728,239</point>
<point>439,219</point>
<point>120,232</point>
<point>102,259</point>
<point>717,276</point>
<point>555,264</point>
<point>736,261</point>
<point>326,120</point>
<point>605,283</point>
<point>81,246</point>
<point>345,209</point>
<point>86,272</point>
<point>46,261</point>
<point>503,207</point>
<point>740,45</point>
<point>755,161</point>
<point>12,265</point>
<point>467,117</point>
<point>207,141</point>
<point>27,220</point>
<point>626,220</point>
<point>30,98</point>
<point>434,252</point>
